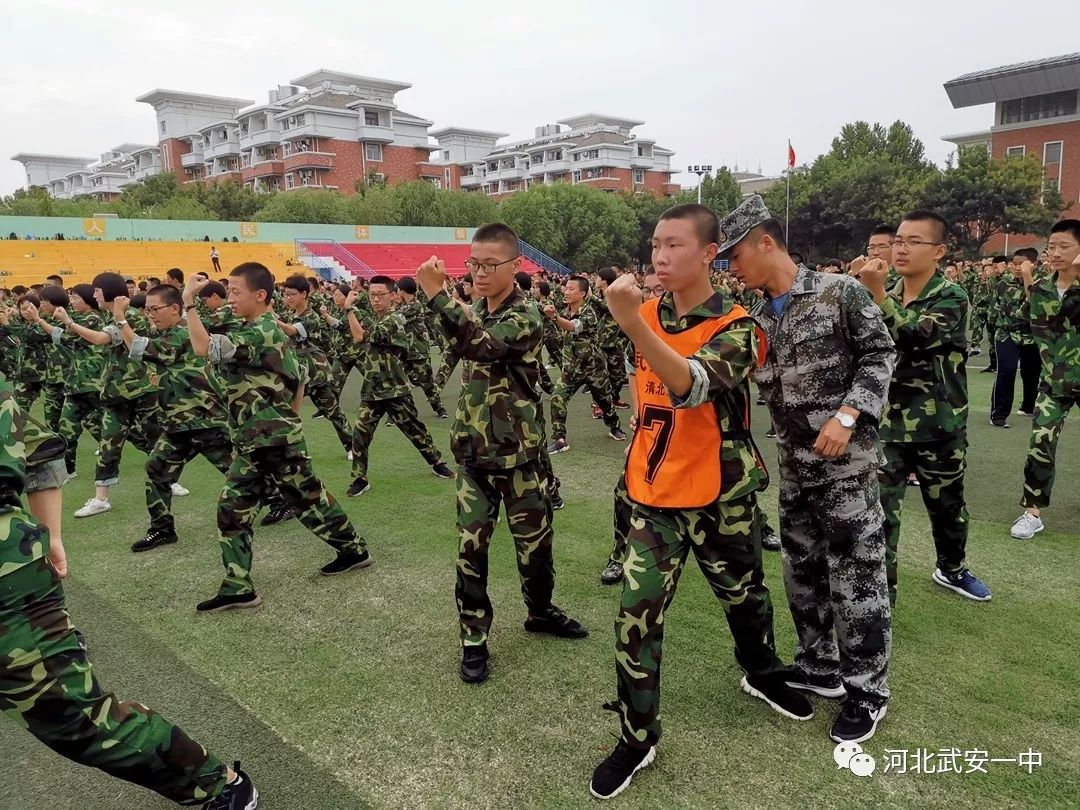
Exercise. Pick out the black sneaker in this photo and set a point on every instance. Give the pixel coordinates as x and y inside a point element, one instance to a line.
<point>346,561</point>
<point>277,515</point>
<point>617,434</point>
<point>989,370</point>
<point>621,404</point>
<point>856,723</point>
<point>474,664</point>
<point>555,623</point>
<point>975,351</point>
<point>220,603</point>
<point>359,486</point>
<point>761,400</point>
<point>556,500</point>
<point>774,691</point>
<point>999,423</point>
<point>612,574</point>
<point>240,794</point>
<point>441,470</point>
<point>613,775</point>
<point>770,541</point>
<point>827,686</point>
<point>442,414</point>
<point>153,539</point>
<point>770,433</point>
<point>558,446</point>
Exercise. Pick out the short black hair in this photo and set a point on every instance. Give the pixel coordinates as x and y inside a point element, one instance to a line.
<point>1000,259</point>
<point>1029,253</point>
<point>1067,226</point>
<point>175,273</point>
<point>498,232</point>
<point>112,286</point>
<point>795,257</point>
<point>86,293</point>
<point>834,263</point>
<point>607,274</point>
<point>143,286</point>
<point>170,296</point>
<point>582,282</point>
<point>212,288</point>
<point>296,282</point>
<point>384,280</point>
<point>704,218</point>
<point>544,287</point>
<point>54,278</point>
<point>256,276</point>
<point>153,281</point>
<point>459,288</point>
<point>883,230</point>
<point>406,285</point>
<point>771,228</point>
<point>921,215</point>
<point>467,278</point>
<point>31,297</point>
<point>18,289</point>
<point>344,289</point>
<point>524,280</point>
<point>55,296</point>
<point>138,301</point>
<point>650,270</point>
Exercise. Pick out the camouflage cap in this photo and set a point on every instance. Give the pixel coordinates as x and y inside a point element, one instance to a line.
<point>736,225</point>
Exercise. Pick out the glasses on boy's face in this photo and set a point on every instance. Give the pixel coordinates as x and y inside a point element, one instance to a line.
<point>656,291</point>
<point>378,294</point>
<point>158,308</point>
<point>910,244</point>
<point>485,268</point>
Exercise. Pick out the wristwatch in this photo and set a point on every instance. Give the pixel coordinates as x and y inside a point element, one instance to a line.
<point>845,419</point>
<point>121,324</point>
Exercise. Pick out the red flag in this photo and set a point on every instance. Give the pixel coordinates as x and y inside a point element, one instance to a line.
<point>790,156</point>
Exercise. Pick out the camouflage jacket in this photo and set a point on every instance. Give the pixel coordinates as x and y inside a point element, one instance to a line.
<point>22,539</point>
<point>828,347</point>
<point>581,347</point>
<point>415,316</point>
<point>87,360</point>
<point>126,378</point>
<point>312,344</point>
<point>928,396</point>
<point>219,321</point>
<point>32,357</point>
<point>1010,310</point>
<point>348,350</point>
<point>387,347</point>
<point>188,399</point>
<point>260,376</point>
<point>499,421</point>
<point>1055,325</point>
<point>58,357</point>
<point>610,335</point>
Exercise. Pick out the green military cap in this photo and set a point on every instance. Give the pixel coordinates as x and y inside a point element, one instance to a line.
<point>736,225</point>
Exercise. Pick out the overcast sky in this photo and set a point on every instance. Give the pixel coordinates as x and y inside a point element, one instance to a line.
<point>715,82</point>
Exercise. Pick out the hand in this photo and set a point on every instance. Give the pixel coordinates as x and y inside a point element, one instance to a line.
<point>324,311</point>
<point>61,316</point>
<point>872,276</point>
<point>431,275</point>
<point>857,264</point>
<point>624,300</point>
<point>350,299</point>
<point>120,305</point>
<point>832,440</point>
<point>549,311</point>
<point>1025,271</point>
<point>191,289</point>
<point>30,312</point>
<point>58,557</point>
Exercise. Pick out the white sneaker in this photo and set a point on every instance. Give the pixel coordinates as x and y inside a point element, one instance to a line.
<point>93,507</point>
<point>348,455</point>
<point>1026,526</point>
<point>179,490</point>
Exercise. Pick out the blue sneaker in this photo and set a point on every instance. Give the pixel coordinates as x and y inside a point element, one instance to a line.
<point>964,583</point>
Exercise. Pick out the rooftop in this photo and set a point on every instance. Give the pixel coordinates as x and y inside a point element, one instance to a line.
<point>589,119</point>
<point>26,157</point>
<point>158,95</point>
<point>1032,78</point>
<point>480,133</point>
<point>321,75</point>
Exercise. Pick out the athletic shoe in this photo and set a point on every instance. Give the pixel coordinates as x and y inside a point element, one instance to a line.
<point>93,507</point>
<point>442,414</point>
<point>621,404</point>
<point>611,574</point>
<point>346,561</point>
<point>220,603</point>
<point>975,351</point>
<point>1026,526</point>
<point>770,541</point>
<point>964,583</point>
<point>782,698</point>
<point>761,400</point>
<point>827,686</point>
<point>555,623</point>
<point>348,455</point>
<point>913,481</point>
<point>989,370</point>
<point>999,424</point>
<point>319,415</point>
<point>1022,412</point>
<point>153,539</point>
<point>474,664</point>
<point>770,433</point>
<point>71,476</point>
<point>613,775</point>
<point>558,446</point>
<point>597,413</point>
<point>617,434</point>
<point>239,794</point>
<point>556,499</point>
<point>856,723</point>
<point>278,515</point>
<point>180,491</point>
<point>441,470</point>
<point>359,486</point>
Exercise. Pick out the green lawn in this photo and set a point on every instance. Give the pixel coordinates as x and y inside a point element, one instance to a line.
<point>344,692</point>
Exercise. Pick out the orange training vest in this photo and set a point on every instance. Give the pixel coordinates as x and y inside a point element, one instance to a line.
<point>674,458</point>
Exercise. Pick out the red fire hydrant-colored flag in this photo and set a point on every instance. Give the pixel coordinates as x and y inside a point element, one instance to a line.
<point>790,156</point>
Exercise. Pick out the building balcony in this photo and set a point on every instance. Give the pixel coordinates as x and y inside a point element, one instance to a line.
<point>430,170</point>
<point>298,186</point>
<point>264,168</point>
<point>671,188</point>
<point>471,180</point>
<point>192,159</point>
<point>371,134</point>
<point>308,160</point>
<point>642,161</point>
<point>264,137</point>
<point>603,183</point>
<point>221,177</point>
<point>141,173</point>
<point>222,149</point>
<point>302,131</point>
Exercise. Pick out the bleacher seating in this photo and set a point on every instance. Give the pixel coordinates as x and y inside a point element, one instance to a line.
<point>401,259</point>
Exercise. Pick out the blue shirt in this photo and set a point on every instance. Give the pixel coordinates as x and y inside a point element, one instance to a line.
<point>778,303</point>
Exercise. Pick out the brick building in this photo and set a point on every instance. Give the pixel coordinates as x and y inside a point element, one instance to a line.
<point>335,130</point>
<point>1035,112</point>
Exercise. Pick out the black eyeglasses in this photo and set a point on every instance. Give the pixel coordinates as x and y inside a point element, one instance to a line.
<point>473,266</point>
<point>911,243</point>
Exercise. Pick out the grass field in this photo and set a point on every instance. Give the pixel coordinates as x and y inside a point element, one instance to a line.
<point>343,692</point>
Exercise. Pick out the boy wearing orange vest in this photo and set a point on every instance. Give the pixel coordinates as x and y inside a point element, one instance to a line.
<point>692,474</point>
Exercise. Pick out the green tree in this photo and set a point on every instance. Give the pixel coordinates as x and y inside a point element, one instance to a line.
<point>231,200</point>
<point>305,205</point>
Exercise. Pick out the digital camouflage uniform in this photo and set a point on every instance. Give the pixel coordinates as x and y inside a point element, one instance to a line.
<point>498,441</point>
<point>261,377</point>
<point>583,365</point>
<point>924,427</point>
<point>418,361</point>
<point>828,348</point>
<point>386,391</point>
<point>312,344</point>
<point>724,537</point>
<point>1055,325</point>
<point>1015,347</point>
<point>47,684</point>
<point>82,390</point>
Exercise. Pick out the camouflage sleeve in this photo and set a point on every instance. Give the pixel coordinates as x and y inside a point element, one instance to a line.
<point>586,322</point>
<point>872,350</point>
<point>508,338</point>
<point>720,365</point>
<point>389,332</point>
<point>12,450</point>
<point>165,348</point>
<point>944,325</point>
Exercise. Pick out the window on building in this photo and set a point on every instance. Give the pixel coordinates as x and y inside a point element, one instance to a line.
<point>538,157</point>
<point>446,177</point>
<point>371,119</point>
<point>1051,152</point>
<point>577,177</point>
<point>290,180</point>
<point>163,128</point>
<point>435,181</point>
<point>373,151</point>
<point>1015,151</point>
<point>1051,184</point>
<point>466,171</point>
<point>1036,108</point>
<point>446,154</point>
<point>639,175</point>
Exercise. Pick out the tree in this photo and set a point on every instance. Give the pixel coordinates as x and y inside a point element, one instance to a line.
<point>315,206</point>
<point>231,200</point>
<point>982,197</point>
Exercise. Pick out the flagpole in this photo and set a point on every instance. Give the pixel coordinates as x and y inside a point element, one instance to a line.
<point>787,207</point>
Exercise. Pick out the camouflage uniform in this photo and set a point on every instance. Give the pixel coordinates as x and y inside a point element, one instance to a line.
<point>386,391</point>
<point>312,343</point>
<point>498,441</point>
<point>348,354</point>
<point>418,361</point>
<point>553,337</point>
<point>583,366</point>
<point>58,360</point>
<point>82,391</point>
<point>724,536</point>
<point>261,376</point>
<point>1055,325</point>
<point>1015,346</point>
<point>612,346</point>
<point>924,427</point>
<point>30,373</point>
<point>829,348</point>
<point>47,684</point>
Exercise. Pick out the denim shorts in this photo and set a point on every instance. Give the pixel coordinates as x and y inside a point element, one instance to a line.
<point>50,475</point>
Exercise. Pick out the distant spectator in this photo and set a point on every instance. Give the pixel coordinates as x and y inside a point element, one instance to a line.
<point>174,277</point>
<point>215,258</point>
<point>54,281</point>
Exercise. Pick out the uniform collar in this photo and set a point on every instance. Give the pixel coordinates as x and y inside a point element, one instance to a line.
<point>936,282</point>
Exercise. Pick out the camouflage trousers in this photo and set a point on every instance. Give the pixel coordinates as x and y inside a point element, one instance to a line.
<point>419,369</point>
<point>523,492</point>
<point>979,323</point>
<point>167,460</point>
<point>615,365</point>
<point>47,686</point>
<point>27,392</point>
<point>569,384</point>
<point>1050,413</point>
<point>725,541</point>
<point>940,467</point>
<point>128,420</point>
<point>834,575</point>
<point>253,478</point>
<point>325,399</point>
<point>79,411</point>
<point>53,405</point>
<point>402,410</point>
<point>446,367</point>
<point>622,511</point>
<point>339,373</point>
